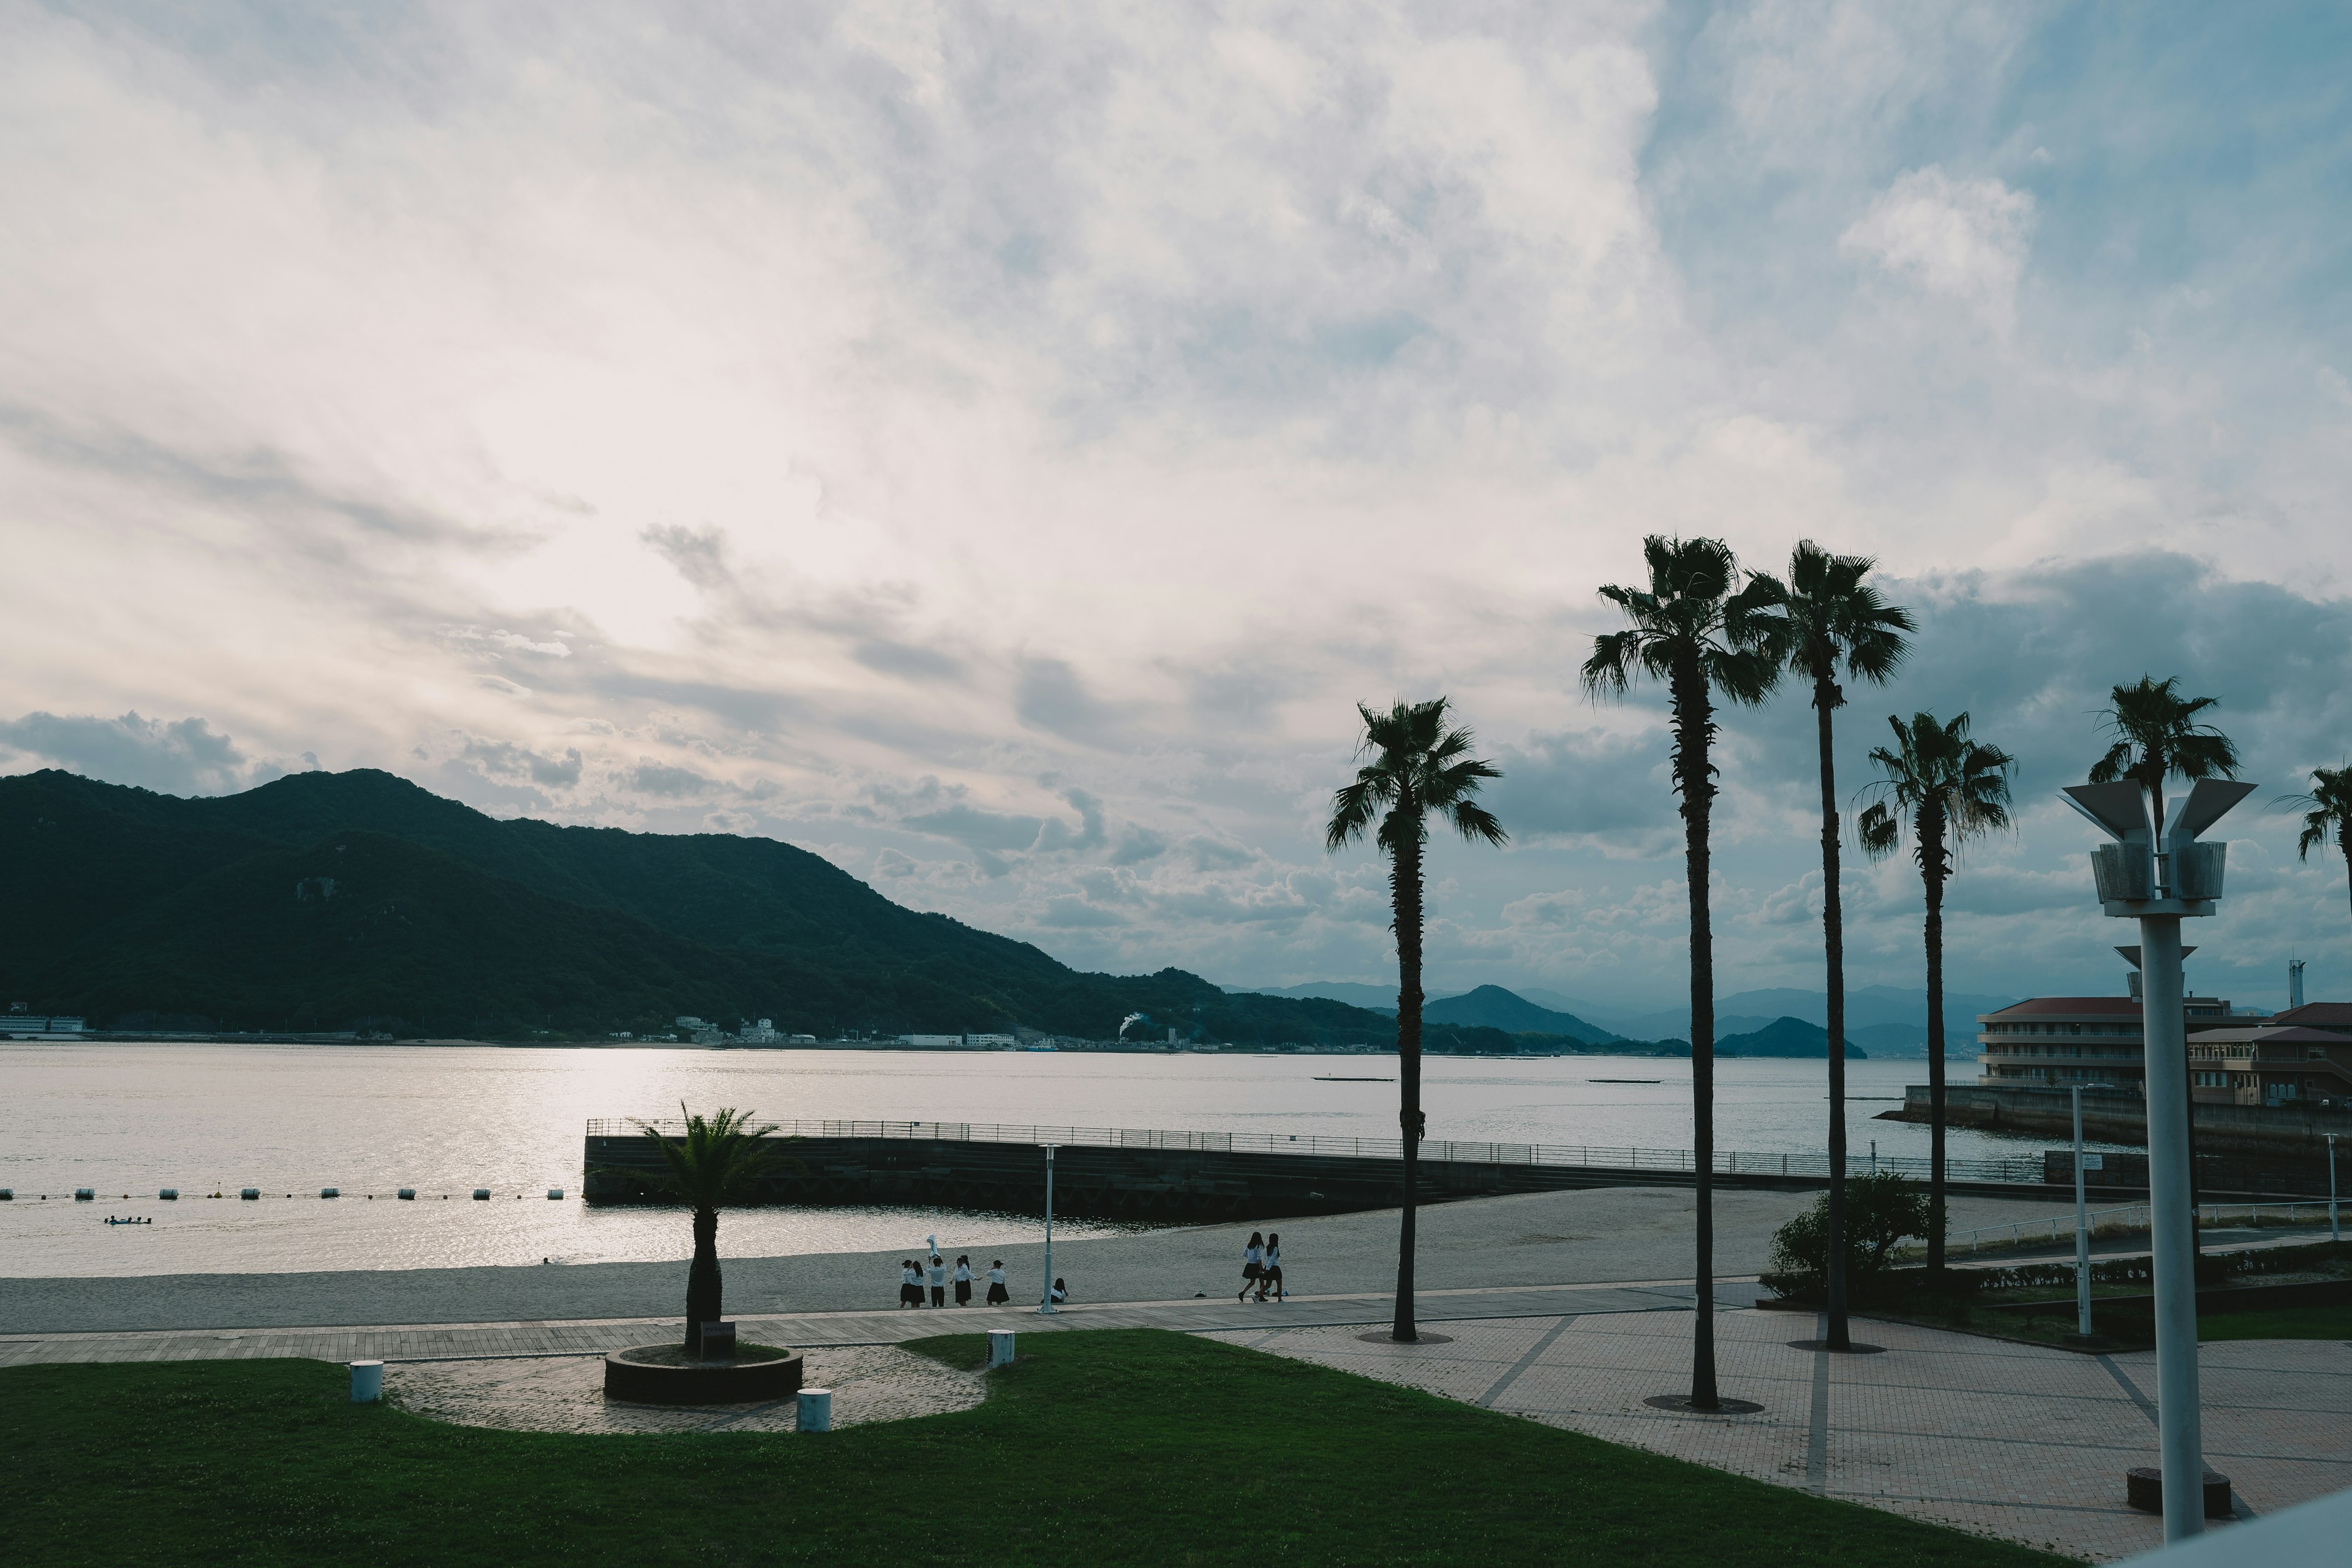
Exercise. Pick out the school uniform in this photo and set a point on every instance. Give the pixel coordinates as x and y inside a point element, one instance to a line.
<point>997,1294</point>
<point>938,1284</point>
<point>1270,1275</point>
<point>963,1284</point>
<point>910,1288</point>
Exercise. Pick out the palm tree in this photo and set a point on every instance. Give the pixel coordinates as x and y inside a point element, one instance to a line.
<point>2330,816</point>
<point>718,1161</point>
<point>2157,735</point>
<point>1703,633</point>
<point>1415,767</point>
<point>1832,622</point>
<point>1952,789</point>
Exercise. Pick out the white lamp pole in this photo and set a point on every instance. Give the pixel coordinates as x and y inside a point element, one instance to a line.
<point>2082,1231</point>
<point>2157,873</point>
<point>1046,1304</point>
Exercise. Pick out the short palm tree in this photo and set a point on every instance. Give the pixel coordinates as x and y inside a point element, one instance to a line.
<point>1708,636</point>
<point>718,1161</point>
<point>1414,766</point>
<point>2330,816</point>
<point>1950,789</point>
<point>1835,623</point>
<point>2157,735</point>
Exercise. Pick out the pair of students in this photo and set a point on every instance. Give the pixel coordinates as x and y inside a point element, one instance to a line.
<point>1262,1267</point>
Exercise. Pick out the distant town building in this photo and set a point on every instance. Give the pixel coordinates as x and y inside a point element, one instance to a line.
<point>2053,1042</point>
<point>2302,1056</point>
<point>763,1033</point>
<point>18,1022</point>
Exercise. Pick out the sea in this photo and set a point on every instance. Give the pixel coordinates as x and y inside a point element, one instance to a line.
<point>127,1119</point>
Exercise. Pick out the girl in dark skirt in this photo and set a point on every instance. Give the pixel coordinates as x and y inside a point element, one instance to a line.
<point>910,1288</point>
<point>963,1279</point>
<point>1270,1274</point>
<point>997,1294</point>
<point>1253,1264</point>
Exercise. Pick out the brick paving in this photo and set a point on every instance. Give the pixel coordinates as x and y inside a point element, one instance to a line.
<point>2022,1442</point>
<point>566,1394</point>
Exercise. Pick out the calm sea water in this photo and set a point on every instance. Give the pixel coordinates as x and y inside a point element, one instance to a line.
<point>130,1119</point>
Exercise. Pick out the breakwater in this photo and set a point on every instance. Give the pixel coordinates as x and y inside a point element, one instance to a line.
<point>1135,1173</point>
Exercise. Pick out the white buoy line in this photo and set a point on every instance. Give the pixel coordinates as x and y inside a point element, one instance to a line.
<point>251,1195</point>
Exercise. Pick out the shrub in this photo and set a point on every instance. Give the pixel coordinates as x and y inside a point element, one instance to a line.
<point>1881,1209</point>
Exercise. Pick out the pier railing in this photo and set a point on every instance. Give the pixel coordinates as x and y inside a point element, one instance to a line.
<point>1728,1161</point>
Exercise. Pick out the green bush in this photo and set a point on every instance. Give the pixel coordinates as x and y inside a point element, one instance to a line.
<point>1881,1210</point>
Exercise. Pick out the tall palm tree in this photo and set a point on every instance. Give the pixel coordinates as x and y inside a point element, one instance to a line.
<point>1414,766</point>
<point>718,1161</point>
<point>1951,789</point>
<point>2157,735</point>
<point>1833,622</point>
<point>1699,629</point>
<point>2330,816</point>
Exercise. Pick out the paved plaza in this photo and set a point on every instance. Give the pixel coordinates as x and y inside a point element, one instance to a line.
<point>2017,1441</point>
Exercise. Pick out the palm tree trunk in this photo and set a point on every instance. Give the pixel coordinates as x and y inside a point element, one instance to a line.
<point>1825,699</point>
<point>1931,866</point>
<point>1404,887</point>
<point>1694,726</point>
<point>702,1292</point>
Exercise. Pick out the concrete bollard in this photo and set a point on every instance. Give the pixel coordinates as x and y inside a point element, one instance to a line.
<point>367,1381</point>
<point>1000,1348</point>
<point>815,1410</point>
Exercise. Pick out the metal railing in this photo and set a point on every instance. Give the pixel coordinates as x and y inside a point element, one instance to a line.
<point>1728,1162</point>
<point>2063,1229</point>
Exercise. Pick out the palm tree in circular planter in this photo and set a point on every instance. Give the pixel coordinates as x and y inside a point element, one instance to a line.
<point>718,1161</point>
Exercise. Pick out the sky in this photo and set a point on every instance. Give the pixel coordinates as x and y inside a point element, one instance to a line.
<point>995,446</point>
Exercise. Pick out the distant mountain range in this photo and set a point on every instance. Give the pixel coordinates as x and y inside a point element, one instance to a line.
<point>1496,1008</point>
<point>334,901</point>
<point>1884,1020</point>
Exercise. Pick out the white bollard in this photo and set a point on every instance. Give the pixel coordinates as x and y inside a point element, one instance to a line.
<point>1000,1348</point>
<point>367,1381</point>
<point>815,1410</point>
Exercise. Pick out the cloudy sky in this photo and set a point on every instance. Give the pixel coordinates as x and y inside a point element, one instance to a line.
<point>994,445</point>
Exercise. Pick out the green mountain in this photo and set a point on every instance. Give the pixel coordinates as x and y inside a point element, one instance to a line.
<point>1493,1007</point>
<point>358,899</point>
<point>1784,1037</point>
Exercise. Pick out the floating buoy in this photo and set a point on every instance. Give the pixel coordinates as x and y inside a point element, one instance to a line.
<point>556,1192</point>
<point>481,1195</point>
<point>83,1194</point>
<point>331,1191</point>
<point>170,1195</point>
<point>405,1193</point>
<point>250,1194</point>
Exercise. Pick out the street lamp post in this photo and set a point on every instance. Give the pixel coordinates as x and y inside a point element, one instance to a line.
<point>2082,1232</point>
<point>2158,873</point>
<point>1045,1304</point>
<point>2334,1233</point>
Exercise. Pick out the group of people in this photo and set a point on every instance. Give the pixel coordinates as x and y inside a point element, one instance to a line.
<point>912,1278</point>
<point>1262,1267</point>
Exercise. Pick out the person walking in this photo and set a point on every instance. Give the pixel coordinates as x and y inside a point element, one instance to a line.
<point>939,1281</point>
<point>911,1283</point>
<point>1253,1266</point>
<point>1270,1276</point>
<point>997,1295</point>
<point>963,1279</point>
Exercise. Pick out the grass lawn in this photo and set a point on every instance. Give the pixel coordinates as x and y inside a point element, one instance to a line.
<point>2137,1331</point>
<point>1137,1446</point>
<point>2287,1323</point>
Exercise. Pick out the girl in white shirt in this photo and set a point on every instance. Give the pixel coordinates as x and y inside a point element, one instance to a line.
<point>997,1294</point>
<point>939,1281</point>
<point>910,1284</point>
<point>1253,1267</point>
<point>963,1279</point>
<point>1270,1274</point>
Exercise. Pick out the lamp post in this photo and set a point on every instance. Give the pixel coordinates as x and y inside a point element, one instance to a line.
<point>2158,873</point>
<point>1045,1304</point>
<point>2082,1232</point>
<point>2333,1233</point>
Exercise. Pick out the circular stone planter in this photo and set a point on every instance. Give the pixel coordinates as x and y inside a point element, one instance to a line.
<point>666,1374</point>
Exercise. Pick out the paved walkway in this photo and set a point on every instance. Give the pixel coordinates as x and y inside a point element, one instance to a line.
<point>2017,1441</point>
<point>593,1336</point>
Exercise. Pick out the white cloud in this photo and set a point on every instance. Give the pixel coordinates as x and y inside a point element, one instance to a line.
<point>1959,239</point>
